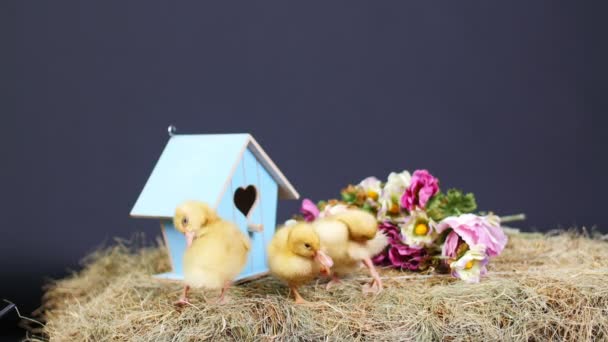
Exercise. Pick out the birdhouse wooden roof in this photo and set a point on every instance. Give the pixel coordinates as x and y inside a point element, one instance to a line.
<point>200,167</point>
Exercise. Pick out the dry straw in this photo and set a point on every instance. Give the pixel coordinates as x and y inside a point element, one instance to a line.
<point>542,288</point>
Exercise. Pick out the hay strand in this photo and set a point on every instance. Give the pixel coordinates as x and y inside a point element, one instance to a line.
<point>541,288</point>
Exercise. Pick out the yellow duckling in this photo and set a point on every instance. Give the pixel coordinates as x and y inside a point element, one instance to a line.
<point>216,249</point>
<point>294,256</point>
<point>350,238</point>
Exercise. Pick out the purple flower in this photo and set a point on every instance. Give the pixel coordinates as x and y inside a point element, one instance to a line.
<point>391,231</point>
<point>473,230</point>
<point>422,187</point>
<point>398,254</point>
<point>309,210</point>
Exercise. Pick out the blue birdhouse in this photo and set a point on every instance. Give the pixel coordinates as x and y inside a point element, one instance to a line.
<point>230,172</point>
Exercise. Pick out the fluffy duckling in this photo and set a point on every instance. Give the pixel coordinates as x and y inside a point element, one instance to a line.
<point>216,249</point>
<point>351,238</point>
<point>295,256</point>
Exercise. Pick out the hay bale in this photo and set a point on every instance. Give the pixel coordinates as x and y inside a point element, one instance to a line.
<point>541,288</point>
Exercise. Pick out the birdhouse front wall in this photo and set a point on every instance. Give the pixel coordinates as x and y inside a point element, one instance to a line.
<point>176,244</point>
<point>251,173</point>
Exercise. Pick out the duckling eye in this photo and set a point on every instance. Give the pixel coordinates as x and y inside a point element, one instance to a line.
<point>185,221</point>
<point>307,245</point>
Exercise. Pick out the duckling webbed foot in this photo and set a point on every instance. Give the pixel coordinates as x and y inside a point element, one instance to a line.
<point>182,302</point>
<point>184,299</point>
<point>333,282</point>
<point>296,295</point>
<point>371,287</point>
<point>223,299</point>
<point>376,285</point>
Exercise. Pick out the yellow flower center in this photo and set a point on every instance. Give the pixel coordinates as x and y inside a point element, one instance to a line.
<point>421,229</point>
<point>394,209</point>
<point>373,195</point>
<point>468,265</point>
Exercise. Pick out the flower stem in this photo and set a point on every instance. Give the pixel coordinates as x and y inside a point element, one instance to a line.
<point>513,218</point>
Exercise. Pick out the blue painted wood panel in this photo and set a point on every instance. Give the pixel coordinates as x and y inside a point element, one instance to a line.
<point>238,180</point>
<point>269,207</point>
<point>191,167</point>
<point>176,243</point>
<point>258,260</point>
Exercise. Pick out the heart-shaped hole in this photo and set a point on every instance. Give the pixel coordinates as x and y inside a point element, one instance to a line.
<point>244,199</point>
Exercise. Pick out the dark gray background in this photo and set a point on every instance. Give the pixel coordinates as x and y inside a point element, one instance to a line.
<point>506,100</point>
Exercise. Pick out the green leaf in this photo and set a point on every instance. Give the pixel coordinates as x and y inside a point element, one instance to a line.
<point>348,197</point>
<point>434,207</point>
<point>453,203</point>
<point>368,207</point>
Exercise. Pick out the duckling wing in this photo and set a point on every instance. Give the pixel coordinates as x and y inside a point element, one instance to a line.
<point>245,241</point>
<point>334,241</point>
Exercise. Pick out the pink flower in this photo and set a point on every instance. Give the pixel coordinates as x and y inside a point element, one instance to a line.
<point>309,210</point>
<point>451,245</point>
<point>422,187</point>
<point>398,254</point>
<point>473,230</point>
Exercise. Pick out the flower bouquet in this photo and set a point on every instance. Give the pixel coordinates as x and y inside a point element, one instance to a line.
<point>427,229</point>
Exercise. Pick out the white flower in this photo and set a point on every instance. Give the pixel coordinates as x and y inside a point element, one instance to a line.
<point>419,230</point>
<point>472,265</point>
<point>397,183</point>
<point>290,222</point>
<point>372,187</point>
<point>331,210</point>
<point>391,193</point>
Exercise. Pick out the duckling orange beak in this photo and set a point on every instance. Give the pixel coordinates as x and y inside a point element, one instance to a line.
<point>325,261</point>
<point>189,238</point>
